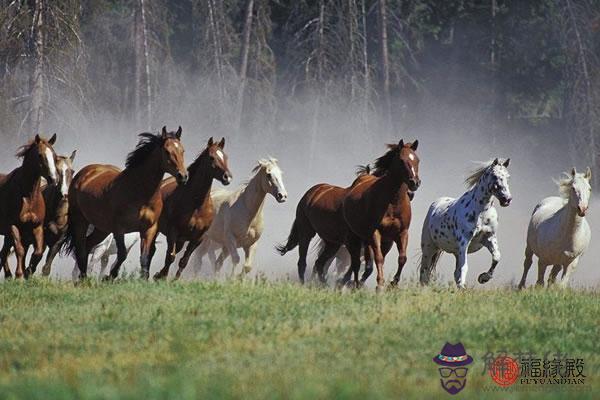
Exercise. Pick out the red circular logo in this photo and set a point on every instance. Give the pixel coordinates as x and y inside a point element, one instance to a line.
<point>504,371</point>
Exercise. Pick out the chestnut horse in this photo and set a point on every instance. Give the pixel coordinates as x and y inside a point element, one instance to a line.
<point>366,206</point>
<point>22,209</point>
<point>121,201</point>
<point>320,211</point>
<point>188,210</point>
<point>57,209</point>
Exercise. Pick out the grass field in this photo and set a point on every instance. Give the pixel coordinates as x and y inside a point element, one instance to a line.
<point>275,340</point>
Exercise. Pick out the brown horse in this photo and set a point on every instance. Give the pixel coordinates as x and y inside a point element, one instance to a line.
<point>119,202</point>
<point>370,208</point>
<point>22,208</point>
<point>321,211</point>
<point>57,209</point>
<point>188,210</point>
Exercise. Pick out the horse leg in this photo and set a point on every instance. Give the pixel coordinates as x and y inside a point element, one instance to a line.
<point>173,247</point>
<point>328,251</point>
<point>192,245</point>
<point>354,246</point>
<point>568,271</point>
<point>401,245</point>
<point>121,256</point>
<point>8,244</point>
<point>221,259</point>
<point>231,246</point>
<point>38,250</point>
<point>342,261</point>
<point>553,273</point>
<point>147,239</point>
<point>430,254</point>
<point>200,253</point>
<point>462,267</point>
<point>526,265</point>
<point>249,252</point>
<point>19,250</point>
<point>492,245</point>
<point>369,256</point>
<point>541,272</point>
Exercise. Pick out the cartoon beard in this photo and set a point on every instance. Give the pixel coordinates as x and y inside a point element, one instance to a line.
<point>453,386</point>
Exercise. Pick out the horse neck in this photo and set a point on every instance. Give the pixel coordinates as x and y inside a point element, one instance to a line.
<point>386,187</point>
<point>198,188</point>
<point>478,198</point>
<point>570,221</point>
<point>253,195</point>
<point>31,177</point>
<point>147,176</point>
<point>57,206</point>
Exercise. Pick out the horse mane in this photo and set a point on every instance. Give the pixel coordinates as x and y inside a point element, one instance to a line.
<point>564,185</point>
<point>147,144</point>
<point>22,150</point>
<point>472,179</point>
<point>362,170</point>
<point>383,163</point>
<point>194,167</point>
<point>261,162</point>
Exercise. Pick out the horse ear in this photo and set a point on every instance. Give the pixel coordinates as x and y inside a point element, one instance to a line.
<point>73,155</point>
<point>588,174</point>
<point>414,145</point>
<point>222,143</point>
<point>210,141</point>
<point>38,138</point>
<point>164,132</point>
<point>401,143</point>
<point>573,171</point>
<point>52,140</point>
<point>178,133</point>
<point>505,164</point>
<point>496,161</point>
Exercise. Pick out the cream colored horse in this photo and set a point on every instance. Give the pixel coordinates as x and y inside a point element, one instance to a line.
<point>558,232</point>
<point>238,221</point>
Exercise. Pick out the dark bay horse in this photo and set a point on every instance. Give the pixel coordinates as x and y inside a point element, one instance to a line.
<point>120,201</point>
<point>22,207</point>
<point>366,207</point>
<point>57,209</point>
<point>188,210</point>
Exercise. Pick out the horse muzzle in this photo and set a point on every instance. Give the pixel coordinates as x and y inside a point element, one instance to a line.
<point>413,184</point>
<point>581,211</point>
<point>181,178</point>
<point>226,179</point>
<point>505,202</point>
<point>281,197</point>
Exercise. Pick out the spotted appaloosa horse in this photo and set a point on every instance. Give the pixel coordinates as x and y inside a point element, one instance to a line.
<point>465,225</point>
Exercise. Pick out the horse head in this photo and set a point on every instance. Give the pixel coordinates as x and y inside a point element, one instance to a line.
<point>408,161</point>
<point>64,167</point>
<point>40,154</point>
<point>272,179</point>
<point>497,179</point>
<point>218,161</point>
<point>578,190</point>
<point>172,155</point>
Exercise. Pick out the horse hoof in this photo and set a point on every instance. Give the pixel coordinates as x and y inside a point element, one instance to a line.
<point>45,271</point>
<point>484,278</point>
<point>145,275</point>
<point>159,276</point>
<point>107,278</point>
<point>28,273</point>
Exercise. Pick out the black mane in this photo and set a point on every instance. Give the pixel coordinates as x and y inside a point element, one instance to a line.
<point>383,163</point>
<point>194,167</point>
<point>148,142</point>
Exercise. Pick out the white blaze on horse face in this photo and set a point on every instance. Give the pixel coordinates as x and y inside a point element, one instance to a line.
<point>411,157</point>
<point>582,190</point>
<point>51,165</point>
<point>219,154</point>
<point>277,178</point>
<point>64,187</point>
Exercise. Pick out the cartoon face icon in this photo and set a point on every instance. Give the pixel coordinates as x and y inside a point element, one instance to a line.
<point>452,362</point>
<point>453,379</point>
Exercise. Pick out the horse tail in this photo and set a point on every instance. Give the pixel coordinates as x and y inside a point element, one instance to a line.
<point>67,247</point>
<point>292,240</point>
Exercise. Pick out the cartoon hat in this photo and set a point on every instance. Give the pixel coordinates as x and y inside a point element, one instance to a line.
<point>453,355</point>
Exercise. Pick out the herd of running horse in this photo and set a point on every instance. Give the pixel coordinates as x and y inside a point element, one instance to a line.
<point>44,205</point>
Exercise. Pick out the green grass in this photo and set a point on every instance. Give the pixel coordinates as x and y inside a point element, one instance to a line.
<point>258,340</point>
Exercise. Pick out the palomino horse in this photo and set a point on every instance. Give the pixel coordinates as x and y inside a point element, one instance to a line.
<point>368,209</point>
<point>23,209</point>
<point>118,202</point>
<point>188,209</point>
<point>393,228</point>
<point>239,216</point>
<point>320,209</point>
<point>57,209</point>
<point>465,225</point>
<point>558,232</point>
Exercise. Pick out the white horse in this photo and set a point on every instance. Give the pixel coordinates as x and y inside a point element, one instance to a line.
<point>238,220</point>
<point>104,250</point>
<point>558,232</point>
<point>465,225</point>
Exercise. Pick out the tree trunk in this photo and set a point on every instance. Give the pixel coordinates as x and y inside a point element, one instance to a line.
<point>143,99</point>
<point>384,61</point>
<point>244,61</point>
<point>365,61</point>
<point>38,77</point>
